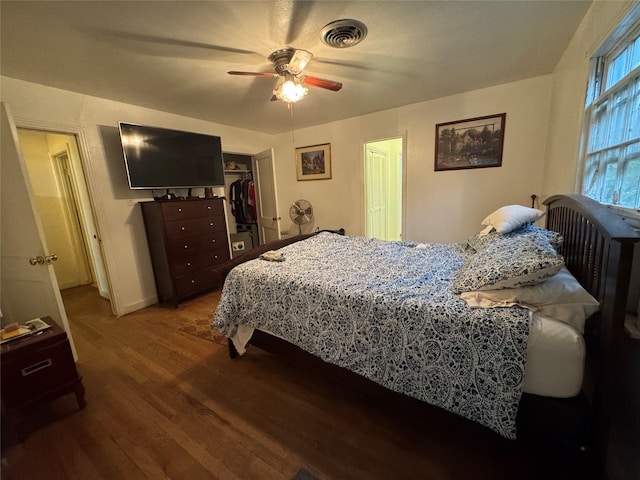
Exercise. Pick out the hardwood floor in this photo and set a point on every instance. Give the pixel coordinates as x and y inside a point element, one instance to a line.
<point>165,404</point>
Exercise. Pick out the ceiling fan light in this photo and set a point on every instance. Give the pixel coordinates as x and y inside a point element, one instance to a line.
<point>290,91</point>
<point>298,61</point>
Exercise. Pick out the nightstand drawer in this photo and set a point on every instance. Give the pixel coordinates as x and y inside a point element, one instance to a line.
<point>37,372</point>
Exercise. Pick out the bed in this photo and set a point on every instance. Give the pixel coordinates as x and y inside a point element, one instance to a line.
<point>420,319</point>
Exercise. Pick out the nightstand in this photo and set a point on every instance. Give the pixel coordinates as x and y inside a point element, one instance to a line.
<point>35,370</point>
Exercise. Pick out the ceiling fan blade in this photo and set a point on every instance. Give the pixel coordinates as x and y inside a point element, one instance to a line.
<point>254,74</point>
<point>322,83</point>
<point>299,60</point>
<point>157,45</point>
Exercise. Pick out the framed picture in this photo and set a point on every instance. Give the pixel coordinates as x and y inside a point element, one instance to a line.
<point>470,143</point>
<point>314,162</point>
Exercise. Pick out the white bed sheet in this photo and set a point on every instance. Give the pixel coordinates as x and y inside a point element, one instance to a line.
<point>555,358</point>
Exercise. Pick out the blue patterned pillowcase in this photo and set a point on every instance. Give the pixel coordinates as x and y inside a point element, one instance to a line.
<point>555,239</point>
<point>509,261</point>
<point>478,242</point>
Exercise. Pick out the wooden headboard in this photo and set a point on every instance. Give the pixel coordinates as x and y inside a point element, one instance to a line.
<point>598,250</point>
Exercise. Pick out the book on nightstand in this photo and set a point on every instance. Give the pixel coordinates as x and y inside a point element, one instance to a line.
<point>15,331</point>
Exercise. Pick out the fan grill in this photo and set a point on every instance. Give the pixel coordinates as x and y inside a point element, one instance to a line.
<point>301,213</point>
<point>343,33</point>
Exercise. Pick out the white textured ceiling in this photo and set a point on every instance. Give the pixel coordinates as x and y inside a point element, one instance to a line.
<point>173,55</point>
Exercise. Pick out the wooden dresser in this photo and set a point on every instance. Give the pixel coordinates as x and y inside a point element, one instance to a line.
<point>187,240</point>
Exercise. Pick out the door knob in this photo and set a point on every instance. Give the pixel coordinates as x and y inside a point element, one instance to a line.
<point>48,260</point>
<point>37,260</point>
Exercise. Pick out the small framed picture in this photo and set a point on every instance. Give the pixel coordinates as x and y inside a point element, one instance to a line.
<point>470,143</point>
<point>314,162</point>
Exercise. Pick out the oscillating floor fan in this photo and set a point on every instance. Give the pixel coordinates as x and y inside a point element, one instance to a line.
<point>301,213</point>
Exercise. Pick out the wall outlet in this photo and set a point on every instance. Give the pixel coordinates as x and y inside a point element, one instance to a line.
<point>237,246</point>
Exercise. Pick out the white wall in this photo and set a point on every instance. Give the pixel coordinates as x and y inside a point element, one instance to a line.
<point>119,218</point>
<point>441,206</point>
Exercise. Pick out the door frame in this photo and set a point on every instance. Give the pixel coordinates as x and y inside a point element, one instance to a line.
<point>95,204</point>
<point>61,160</point>
<point>363,159</point>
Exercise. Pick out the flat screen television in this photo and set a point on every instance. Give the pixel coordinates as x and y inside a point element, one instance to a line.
<point>161,158</point>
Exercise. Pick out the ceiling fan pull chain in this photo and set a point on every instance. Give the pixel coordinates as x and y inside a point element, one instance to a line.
<point>293,135</point>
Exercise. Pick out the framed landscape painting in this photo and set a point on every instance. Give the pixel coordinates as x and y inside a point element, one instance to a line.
<point>314,162</point>
<point>470,143</point>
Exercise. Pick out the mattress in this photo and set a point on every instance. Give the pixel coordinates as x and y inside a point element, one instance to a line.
<point>555,358</point>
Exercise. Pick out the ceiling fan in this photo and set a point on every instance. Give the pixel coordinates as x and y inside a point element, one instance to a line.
<point>289,63</point>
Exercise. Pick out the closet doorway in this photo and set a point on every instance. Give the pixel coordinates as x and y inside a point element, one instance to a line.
<point>383,188</point>
<point>61,198</point>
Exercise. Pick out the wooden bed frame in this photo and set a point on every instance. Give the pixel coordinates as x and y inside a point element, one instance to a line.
<point>598,250</point>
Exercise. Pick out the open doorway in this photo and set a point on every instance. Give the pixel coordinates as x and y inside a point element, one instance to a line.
<point>61,198</point>
<point>383,185</point>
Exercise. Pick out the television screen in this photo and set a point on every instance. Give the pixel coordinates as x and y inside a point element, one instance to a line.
<point>163,158</point>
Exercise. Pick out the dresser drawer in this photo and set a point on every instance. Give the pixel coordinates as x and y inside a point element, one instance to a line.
<point>40,371</point>
<point>181,229</point>
<point>191,209</point>
<point>193,263</point>
<point>201,280</point>
<point>186,247</point>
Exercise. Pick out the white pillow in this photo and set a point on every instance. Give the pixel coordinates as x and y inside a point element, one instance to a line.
<point>510,217</point>
<point>560,297</point>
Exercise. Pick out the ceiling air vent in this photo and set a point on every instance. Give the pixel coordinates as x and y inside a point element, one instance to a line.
<point>343,33</point>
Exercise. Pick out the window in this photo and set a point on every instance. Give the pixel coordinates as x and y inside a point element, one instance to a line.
<point>611,140</point>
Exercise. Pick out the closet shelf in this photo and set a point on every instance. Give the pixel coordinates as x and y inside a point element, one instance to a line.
<point>236,171</point>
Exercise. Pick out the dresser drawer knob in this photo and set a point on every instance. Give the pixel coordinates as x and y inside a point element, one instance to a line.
<point>179,210</point>
<point>208,207</point>
<point>36,367</point>
<point>211,224</point>
<point>213,241</point>
<point>186,246</point>
<point>188,264</point>
<point>193,281</point>
<point>182,228</point>
<point>215,256</point>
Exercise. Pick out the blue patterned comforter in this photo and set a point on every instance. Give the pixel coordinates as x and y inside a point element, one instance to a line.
<point>385,310</point>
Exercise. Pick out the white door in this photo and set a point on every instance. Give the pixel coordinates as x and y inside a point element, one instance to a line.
<point>384,193</point>
<point>27,291</point>
<point>375,203</point>
<point>268,217</point>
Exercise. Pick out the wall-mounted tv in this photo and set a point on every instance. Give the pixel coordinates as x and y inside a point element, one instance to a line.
<point>161,158</point>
